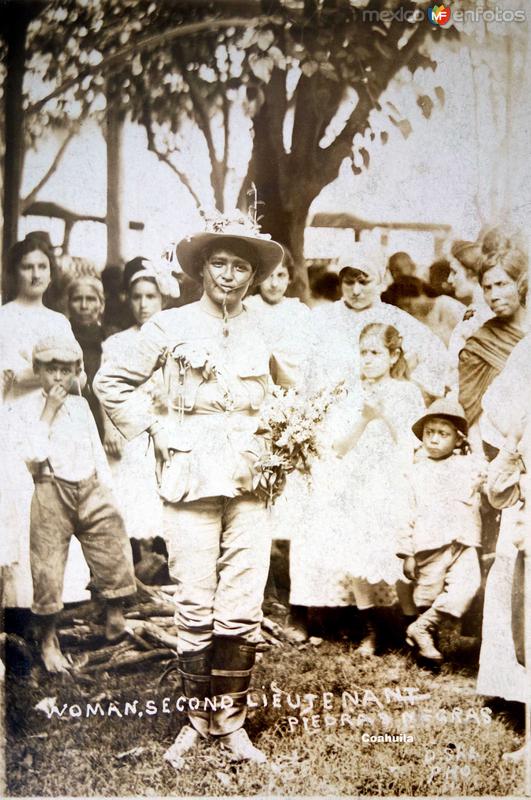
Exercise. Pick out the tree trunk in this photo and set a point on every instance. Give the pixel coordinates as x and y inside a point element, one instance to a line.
<point>284,195</point>
<point>286,224</point>
<point>287,183</point>
<point>15,19</point>
<point>114,123</point>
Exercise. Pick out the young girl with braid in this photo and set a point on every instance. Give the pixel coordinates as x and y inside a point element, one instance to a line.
<point>348,558</point>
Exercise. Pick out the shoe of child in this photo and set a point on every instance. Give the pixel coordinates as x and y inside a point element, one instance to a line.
<point>517,756</point>
<point>367,646</point>
<point>239,747</point>
<point>418,635</point>
<point>186,740</point>
<point>295,633</point>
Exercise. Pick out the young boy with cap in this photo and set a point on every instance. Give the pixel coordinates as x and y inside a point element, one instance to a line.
<point>440,548</point>
<point>72,496</point>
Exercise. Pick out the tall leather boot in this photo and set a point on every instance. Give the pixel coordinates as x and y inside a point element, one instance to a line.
<point>194,668</point>
<point>232,665</point>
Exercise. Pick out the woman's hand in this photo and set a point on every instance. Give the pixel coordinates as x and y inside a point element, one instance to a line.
<point>25,377</point>
<point>162,448</point>
<point>8,379</point>
<point>512,440</point>
<point>478,480</point>
<point>410,568</point>
<point>412,361</point>
<point>114,443</point>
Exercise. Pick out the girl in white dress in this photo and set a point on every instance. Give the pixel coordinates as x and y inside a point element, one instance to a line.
<point>344,555</point>
<point>133,462</point>
<point>290,316</point>
<point>25,319</point>
<point>290,325</point>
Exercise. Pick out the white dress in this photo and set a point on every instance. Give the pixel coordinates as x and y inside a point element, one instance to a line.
<point>288,322</point>
<point>506,404</point>
<point>351,521</point>
<point>134,481</point>
<point>21,327</point>
<point>288,315</point>
<point>500,674</point>
<point>336,338</point>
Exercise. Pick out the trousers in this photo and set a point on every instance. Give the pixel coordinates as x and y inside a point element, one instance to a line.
<point>86,509</point>
<point>447,578</point>
<point>218,554</point>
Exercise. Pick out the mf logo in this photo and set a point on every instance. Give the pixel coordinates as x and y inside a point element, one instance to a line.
<point>439,15</point>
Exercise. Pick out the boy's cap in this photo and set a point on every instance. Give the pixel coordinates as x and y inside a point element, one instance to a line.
<point>57,348</point>
<point>447,409</point>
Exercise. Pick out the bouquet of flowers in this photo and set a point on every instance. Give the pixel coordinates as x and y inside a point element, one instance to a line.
<point>289,424</point>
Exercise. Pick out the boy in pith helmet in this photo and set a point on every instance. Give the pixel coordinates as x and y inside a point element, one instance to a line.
<point>440,549</point>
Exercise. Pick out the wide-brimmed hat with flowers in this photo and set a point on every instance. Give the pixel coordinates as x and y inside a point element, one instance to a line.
<point>264,253</point>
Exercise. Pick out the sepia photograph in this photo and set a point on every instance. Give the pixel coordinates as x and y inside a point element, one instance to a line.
<point>265,362</point>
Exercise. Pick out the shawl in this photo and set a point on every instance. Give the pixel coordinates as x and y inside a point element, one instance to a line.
<point>482,359</point>
<point>90,338</point>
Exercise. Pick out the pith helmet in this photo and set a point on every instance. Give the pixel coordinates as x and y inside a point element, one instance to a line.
<point>446,409</point>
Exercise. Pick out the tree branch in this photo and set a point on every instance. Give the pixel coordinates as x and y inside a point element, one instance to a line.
<point>178,32</point>
<point>331,157</point>
<point>225,110</point>
<point>181,175</point>
<point>152,147</point>
<point>277,106</point>
<point>412,45</point>
<point>202,117</point>
<point>28,200</point>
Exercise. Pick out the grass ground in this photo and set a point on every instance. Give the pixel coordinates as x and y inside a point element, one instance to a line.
<point>456,748</point>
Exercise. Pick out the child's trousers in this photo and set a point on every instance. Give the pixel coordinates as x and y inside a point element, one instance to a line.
<point>447,578</point>
<point>85,508</point>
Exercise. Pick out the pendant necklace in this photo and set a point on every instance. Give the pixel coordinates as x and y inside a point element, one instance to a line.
<point>225,316</point>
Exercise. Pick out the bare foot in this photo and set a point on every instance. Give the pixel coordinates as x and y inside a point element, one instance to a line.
<point>296,633</point>
<point>114,623</point>
<point>51,654</point>
<point>517,756</point>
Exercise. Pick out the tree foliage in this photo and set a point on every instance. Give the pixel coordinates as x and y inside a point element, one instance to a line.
<point>306,74</point>
<point>298,58</point>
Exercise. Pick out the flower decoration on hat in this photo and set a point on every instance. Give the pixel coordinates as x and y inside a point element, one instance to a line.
<point>234,223</point>
<point>165,271</point>
<point>222,228</point>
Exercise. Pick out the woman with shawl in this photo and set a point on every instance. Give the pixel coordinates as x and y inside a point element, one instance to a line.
<point>86,304</point>
<point>502,275</point>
